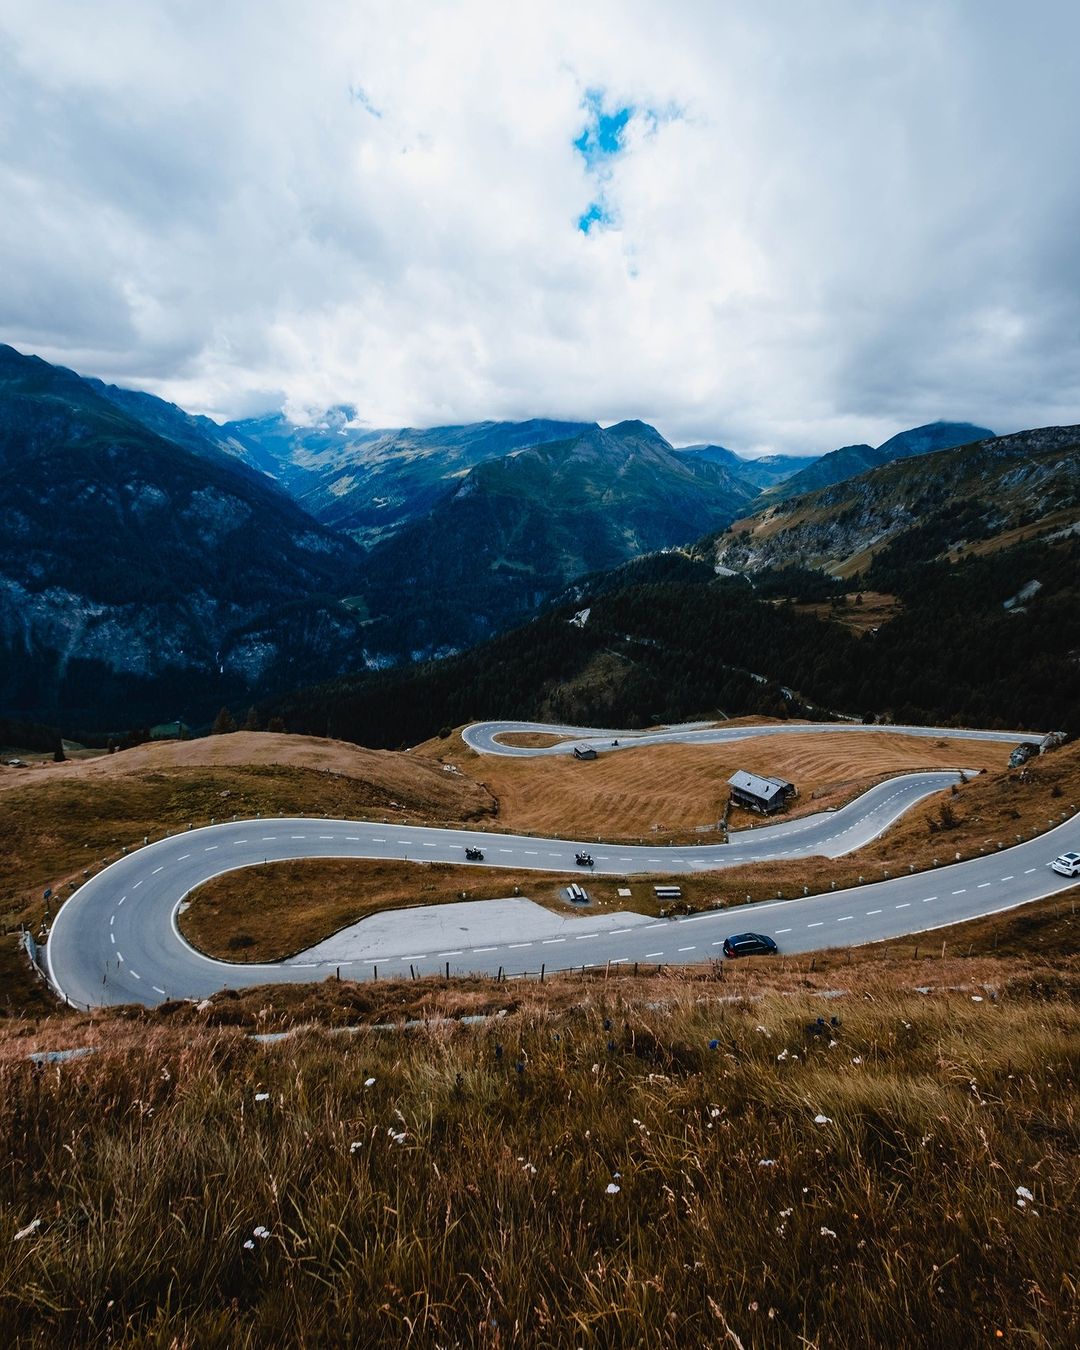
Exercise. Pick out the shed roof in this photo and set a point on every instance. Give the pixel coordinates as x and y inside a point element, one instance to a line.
<point>764,788</point>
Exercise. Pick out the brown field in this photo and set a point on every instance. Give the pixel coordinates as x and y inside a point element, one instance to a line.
<point>669,789</point>
<point>533,740</point>
<point>877,608</point>
<point>405,775</point>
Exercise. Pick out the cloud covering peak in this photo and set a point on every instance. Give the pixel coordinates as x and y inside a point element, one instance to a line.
<point>779,227</point>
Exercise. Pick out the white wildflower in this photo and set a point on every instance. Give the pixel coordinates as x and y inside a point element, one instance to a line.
<point>786,1213</point>
<point>398,1136</point>
<point>1024,1193</point>
<point>857,1059</point>
<point>766,1162</point>
<point>782,1056</point>
<point>28,1231</point>
<point>262,1096</point>
<point>261,1232</point>
<point>356,1143</point>
<point>826,1232</point>
<point>249,1246</point>
<point>369,1082</point>
<point>612,1188</point>
<point>819,1119</point>
<point>764,1031</point>
<point>976,998</point>
<point>714,1111</point>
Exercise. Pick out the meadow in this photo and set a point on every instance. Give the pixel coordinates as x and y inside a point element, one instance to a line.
<point>675,1161</point>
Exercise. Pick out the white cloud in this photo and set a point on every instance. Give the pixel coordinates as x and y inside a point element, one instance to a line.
<point>861,217</point>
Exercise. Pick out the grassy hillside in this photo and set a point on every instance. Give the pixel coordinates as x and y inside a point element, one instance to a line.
<point>657,1162</point>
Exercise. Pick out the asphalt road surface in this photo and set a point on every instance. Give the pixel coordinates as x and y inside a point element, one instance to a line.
<point>484,736</point>
<point>116,940</point>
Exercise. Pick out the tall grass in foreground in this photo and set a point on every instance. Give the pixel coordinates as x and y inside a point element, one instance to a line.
<point>701,1174</point>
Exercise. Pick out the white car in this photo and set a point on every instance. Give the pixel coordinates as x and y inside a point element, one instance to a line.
<point>1068,864</point>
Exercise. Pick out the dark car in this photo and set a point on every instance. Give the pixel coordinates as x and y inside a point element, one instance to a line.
<point>749,944</point>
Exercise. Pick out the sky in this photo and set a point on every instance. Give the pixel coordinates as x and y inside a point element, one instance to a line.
<point>773,224</point>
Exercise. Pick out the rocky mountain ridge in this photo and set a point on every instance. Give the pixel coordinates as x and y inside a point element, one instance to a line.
<point>1028,482</point>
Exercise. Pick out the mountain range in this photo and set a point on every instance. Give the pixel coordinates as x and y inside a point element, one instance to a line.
<point>971,557</point>
<point>156,564</point>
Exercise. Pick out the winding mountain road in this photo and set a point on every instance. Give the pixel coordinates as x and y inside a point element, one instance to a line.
<point>483,737</point>
<point>117,941</point>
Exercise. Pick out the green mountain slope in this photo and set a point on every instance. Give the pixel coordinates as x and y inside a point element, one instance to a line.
<point>139,579</point>
<point>518,528</point>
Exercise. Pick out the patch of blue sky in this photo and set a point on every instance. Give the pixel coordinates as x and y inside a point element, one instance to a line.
<point>602,136</point>
<point>602,141</point>
<point>360,95</point>
<point>597,214</point>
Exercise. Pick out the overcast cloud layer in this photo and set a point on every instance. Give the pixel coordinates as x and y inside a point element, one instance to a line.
<point>783,225</point>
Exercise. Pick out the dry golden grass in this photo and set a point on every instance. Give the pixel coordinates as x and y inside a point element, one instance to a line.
<point>397,773</point>
<point>663,1162</point>
<point>533,740</point>
<point>670,789</point>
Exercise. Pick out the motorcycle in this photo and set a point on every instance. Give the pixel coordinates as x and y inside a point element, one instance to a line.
<point>474,854</point>
<point>583,859</point>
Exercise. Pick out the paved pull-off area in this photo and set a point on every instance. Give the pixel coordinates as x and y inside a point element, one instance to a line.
<point>116,940</point>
